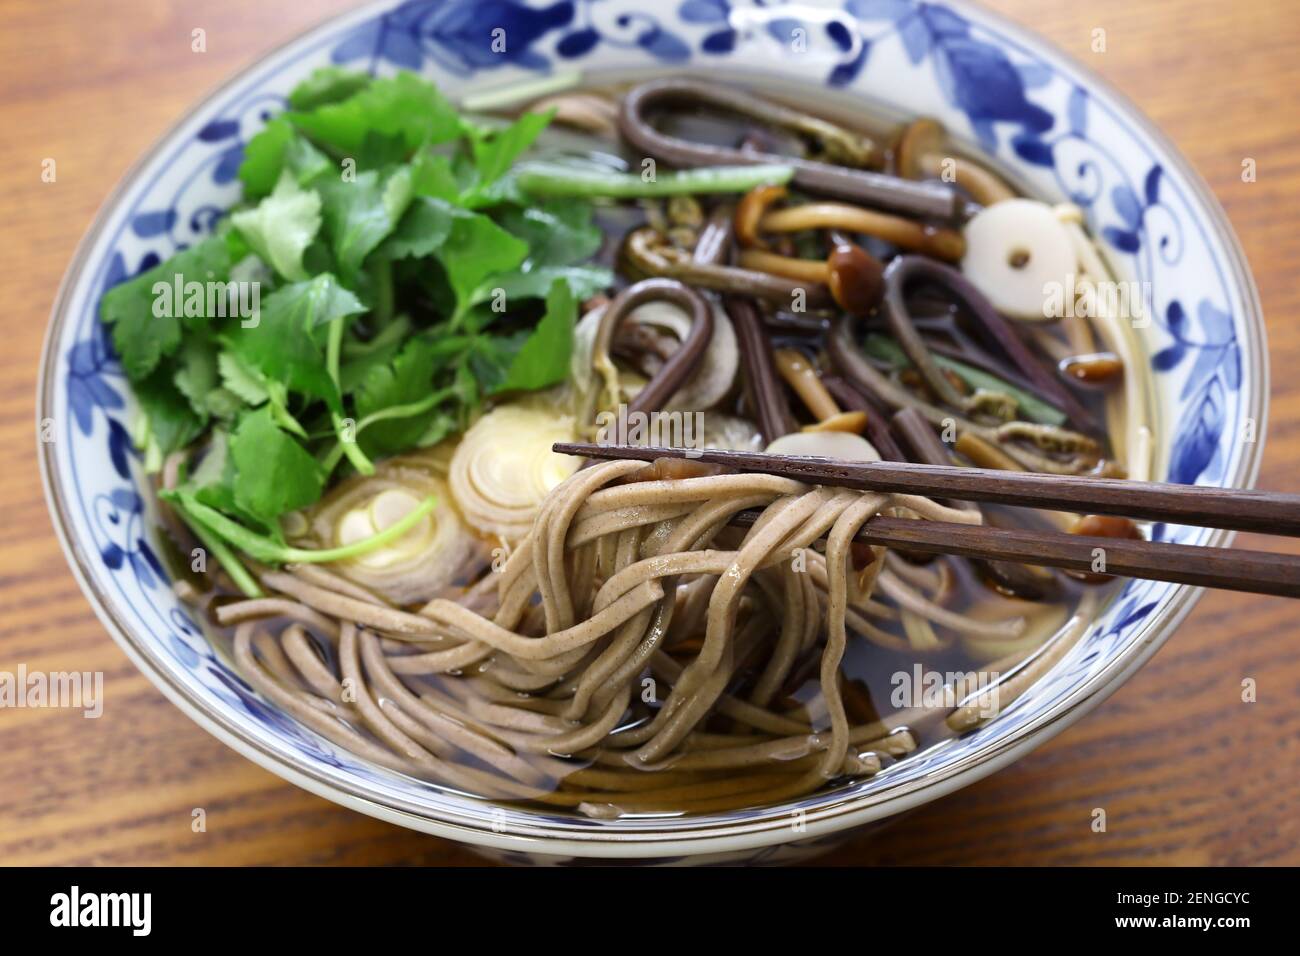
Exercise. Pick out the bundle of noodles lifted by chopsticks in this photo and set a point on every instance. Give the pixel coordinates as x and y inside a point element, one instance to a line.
<point>610,643</point>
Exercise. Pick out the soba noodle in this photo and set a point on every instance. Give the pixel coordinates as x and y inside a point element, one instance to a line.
<point>543,697</point>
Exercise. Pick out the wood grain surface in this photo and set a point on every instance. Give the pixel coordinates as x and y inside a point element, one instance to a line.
<point>1186,772</point>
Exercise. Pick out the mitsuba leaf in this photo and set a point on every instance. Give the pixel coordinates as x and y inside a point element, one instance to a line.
<point>403,104</point>
<point>432,175</point>
<point>361,213</point>
<point>146,313</point>
<point>558,234</point>
<point>495,152</point>
<point>264,158</point>
<point>273,473</point>
<point>409,379</point>
<point>583,282</point>
<point>327,84</point>
<point>423,229</point>
<point>287,345</point>
<point>213,481</point>
<point>542,359</point>
<point>281,227</point>
<point>271,152</point>
<point>477,248</point>
<point>173,423</point>
<point>237,377</point>
<point>196,375</point>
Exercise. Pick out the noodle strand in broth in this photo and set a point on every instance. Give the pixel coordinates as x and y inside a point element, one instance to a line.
<point>622,569</point>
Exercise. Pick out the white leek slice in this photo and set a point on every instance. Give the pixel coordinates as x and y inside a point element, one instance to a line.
<point>434,553</point>
<point>383,510</point>
<point>504,467</point>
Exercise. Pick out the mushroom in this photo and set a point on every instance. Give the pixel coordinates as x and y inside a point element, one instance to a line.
<point>751,208</point>
<point>850,273</point>
<point>855,277</point>
<point>937,241</point>
<point>802,377</point>
<point>854,422</point>
<point>921,151</point>
<point>813,271</point>
<point>1016,253</point>
<point>1098,368</point>
<point>807,384</point>
<point>853,398</point>
<point>648,253</point>
<point>929,200</point>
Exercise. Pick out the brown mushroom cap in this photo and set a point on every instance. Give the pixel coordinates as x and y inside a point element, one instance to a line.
<point>920,139</point>
<point>855,278</point>
<point>924,141</point>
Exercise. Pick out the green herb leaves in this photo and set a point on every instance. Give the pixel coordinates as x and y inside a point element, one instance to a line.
<point>381,280</point>
<point>288,343</point>
<point>282,226</point>
<point>543,357</point>
<point>273,473</point>
<point>476,249</point>
<point>147,312</point>
<point>361,213</point>
<point>404,107</point>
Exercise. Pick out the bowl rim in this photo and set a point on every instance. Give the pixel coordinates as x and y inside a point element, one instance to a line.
<point>604,839</point>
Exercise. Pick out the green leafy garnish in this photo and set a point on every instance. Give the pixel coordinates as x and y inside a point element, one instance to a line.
<point>402,384</point>
<point>495,152</point>
<point>275,150</point>
<point>329,84</point>
<point>543,358</point>
<point>288,344</point>
<point>404,106</point>
<point>382,278</point>
<point>147,315</point>
<point>274,474</point>
<point>476,249</point>
<point>363,211</point>
<point>264,548</point>
<point>422,230</point>
<point>558,233</point>
<point>281,227</point>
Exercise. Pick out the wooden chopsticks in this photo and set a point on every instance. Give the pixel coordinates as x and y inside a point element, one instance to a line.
<point>1233,569</point>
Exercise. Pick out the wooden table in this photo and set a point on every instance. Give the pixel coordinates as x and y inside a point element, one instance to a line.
<point>1187,773</point>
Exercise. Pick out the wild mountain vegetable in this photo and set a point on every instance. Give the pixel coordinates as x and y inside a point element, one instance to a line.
<point>402,277</point>
<point>574,179</point>
<point>1028,404</point>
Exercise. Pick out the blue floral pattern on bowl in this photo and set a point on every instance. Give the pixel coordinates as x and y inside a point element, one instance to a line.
<point>1062,132</point>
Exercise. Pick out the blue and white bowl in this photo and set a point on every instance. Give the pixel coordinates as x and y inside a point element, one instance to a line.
<point>1063,131</point>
